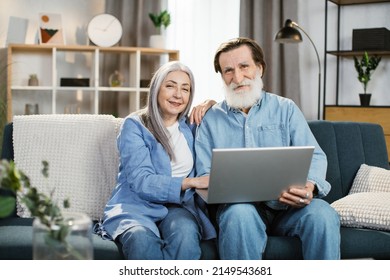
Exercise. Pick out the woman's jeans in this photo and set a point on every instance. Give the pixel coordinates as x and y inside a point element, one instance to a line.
<point>180,239</point>
<point>244,227</point>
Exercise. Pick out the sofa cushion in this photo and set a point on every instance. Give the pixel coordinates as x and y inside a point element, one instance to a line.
<point>367,204</point>
<point>364,210</point>
<point>82,156</point>
<point>364,243</point>
<point>371,179</point>
<point>7,151</point>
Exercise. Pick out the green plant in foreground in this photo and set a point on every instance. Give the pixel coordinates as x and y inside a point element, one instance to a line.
<point>161,19</point>
<point>40,205</point>
<point>365,68</point>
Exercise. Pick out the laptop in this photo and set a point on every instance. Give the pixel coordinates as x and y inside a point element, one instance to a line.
<point>255,174</point>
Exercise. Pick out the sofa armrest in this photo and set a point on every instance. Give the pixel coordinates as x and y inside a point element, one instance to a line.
<point>7,151</point>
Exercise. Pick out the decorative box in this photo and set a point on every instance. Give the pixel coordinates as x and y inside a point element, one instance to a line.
<point>74,82</point>
<point>371,39</point>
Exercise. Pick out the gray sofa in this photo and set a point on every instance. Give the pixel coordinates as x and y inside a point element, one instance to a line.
<point>346,144</point>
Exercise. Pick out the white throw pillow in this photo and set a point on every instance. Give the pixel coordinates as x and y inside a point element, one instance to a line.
<point>364,210</point>
<point>82,155</point>
<point>371,179</point>
<point>368,203</point>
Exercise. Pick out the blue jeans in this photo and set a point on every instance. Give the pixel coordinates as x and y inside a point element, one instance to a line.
<point>180,239</point>
<point>243,229</point>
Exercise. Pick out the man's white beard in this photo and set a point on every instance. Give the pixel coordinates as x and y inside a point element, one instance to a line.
<point>244,98</point>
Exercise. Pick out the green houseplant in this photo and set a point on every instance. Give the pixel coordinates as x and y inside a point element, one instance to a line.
<point>160,20</point>
<point>365,68</point>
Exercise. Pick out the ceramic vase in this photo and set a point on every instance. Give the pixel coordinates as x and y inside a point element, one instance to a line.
<point>157,41</point>
<point>33,80</point>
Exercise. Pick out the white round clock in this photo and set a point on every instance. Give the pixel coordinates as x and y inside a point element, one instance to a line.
<point>104,30</point>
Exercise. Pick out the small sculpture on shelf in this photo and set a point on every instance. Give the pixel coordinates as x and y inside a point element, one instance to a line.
<point>33,80</point>
<point>365,68</point>
<point>31,109</point>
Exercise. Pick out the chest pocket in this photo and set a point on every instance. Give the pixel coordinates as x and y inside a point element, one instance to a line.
<point>272,135</point>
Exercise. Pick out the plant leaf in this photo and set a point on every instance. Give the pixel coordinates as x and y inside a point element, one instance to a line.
<point>7,206</point>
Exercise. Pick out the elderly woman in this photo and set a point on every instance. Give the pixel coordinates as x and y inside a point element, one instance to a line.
<point>154,212</point>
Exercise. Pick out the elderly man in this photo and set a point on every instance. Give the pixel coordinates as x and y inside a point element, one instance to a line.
<point>252,117</point>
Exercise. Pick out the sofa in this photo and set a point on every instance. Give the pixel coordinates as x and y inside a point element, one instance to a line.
<point>348,147</point>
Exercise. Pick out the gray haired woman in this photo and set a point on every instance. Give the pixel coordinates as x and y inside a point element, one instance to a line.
<point>154,212</point>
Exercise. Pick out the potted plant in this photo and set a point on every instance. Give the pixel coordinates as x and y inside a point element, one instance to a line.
<point>365,68</point>
<point>160,20</point>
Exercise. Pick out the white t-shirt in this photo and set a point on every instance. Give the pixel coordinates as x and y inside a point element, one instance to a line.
<point>183,163</point>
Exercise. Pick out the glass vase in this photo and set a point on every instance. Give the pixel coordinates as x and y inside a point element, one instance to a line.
<point>73,243</point>
<point>116,79</point>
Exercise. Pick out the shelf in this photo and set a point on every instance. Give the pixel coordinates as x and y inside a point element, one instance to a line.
<point>32,88</point>
<point>354,2</point>
<point>358,53</point>
<point>35,88</point>
<point>340,54</point>
<point>126,89</point>
<point>173,54</point>
<point>52,62</point>
<point>356,106</point>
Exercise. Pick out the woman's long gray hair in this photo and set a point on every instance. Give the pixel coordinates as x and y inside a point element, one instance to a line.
<point>151,115</point>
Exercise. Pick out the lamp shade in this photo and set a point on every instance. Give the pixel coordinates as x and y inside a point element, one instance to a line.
<point>288,34</point>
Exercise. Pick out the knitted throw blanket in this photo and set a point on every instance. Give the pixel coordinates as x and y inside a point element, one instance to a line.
<point>82,155</point>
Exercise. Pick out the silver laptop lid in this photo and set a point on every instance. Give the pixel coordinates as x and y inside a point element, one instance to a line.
<point>256,174</point>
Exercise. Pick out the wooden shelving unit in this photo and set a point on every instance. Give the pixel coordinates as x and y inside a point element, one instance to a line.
<point>373,114</point>
<point>25,56</point>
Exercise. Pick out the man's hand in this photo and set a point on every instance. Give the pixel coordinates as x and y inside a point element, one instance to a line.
<point>298,196</point>
<point>199,111</point>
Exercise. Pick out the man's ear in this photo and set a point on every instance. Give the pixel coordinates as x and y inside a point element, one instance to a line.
<point>261,71</point>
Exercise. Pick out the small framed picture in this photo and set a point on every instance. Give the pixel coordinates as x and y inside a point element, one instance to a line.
<point>50,29</point>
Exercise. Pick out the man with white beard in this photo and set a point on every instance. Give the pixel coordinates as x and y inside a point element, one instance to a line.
<point>251,117</point>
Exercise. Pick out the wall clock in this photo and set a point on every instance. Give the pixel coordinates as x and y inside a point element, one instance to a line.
<point>104,30</point>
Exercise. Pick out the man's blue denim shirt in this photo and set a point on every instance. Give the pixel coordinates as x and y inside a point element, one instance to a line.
<point>273,121</point>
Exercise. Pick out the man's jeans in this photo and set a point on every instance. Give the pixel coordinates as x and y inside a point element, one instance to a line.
<point>244,227</point>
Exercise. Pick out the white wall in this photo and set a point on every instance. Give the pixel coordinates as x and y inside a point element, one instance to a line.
<point>75,16</point>
<point>314,27</point>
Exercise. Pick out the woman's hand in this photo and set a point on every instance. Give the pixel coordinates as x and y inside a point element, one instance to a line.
<point>197,183</point>
<point>200,110</point>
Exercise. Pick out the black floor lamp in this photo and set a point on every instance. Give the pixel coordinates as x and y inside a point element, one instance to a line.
<point>290,34</point>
